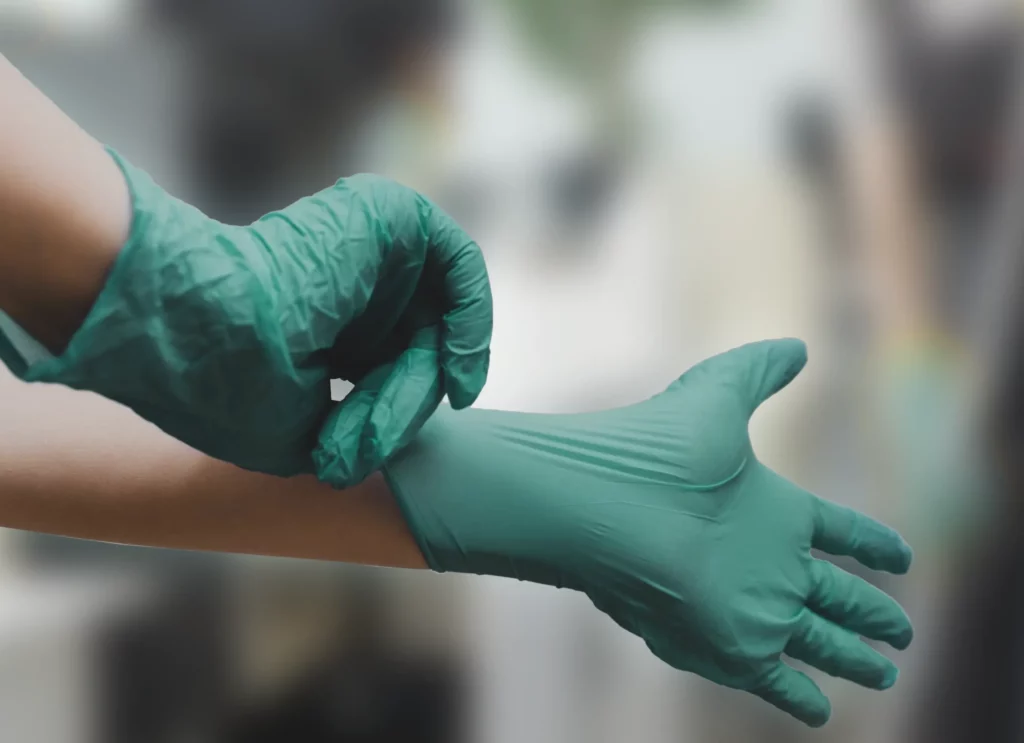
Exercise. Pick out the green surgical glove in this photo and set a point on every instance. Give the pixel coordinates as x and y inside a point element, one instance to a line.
<point>227,337</point>
<point>663,516</point>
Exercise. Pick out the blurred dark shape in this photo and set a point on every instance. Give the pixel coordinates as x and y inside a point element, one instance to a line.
<point>362,701</point>
<point>814,144</point>
<point>953,83</point>
<point>366,693</point>
<point>573,190</point>
<point>164,674</point>
<point>281,90</point>
<point>975,694</point>
<point>964,101</point>
<point>578,187</point>
<point>469,197</point>
<point>955,92</point>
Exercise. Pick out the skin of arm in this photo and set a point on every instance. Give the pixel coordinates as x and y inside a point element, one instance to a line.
<point>128,285</point>
<point>65,213</point>
<point>77,465</point>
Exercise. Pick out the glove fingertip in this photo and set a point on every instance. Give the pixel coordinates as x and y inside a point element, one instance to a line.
<point>819,720</point>
<point>460,395</point>
<point>906,559</point>
<point>903,639</point>
<point>795,349</point>
<point>796,694</point>
<point>334,458</point>
<point>816,712</point>
<point>896,558</point>
<point>464,378</point>
<point>787,357</point>
<point>892,673</point>
<point>813,713</point>
<point>331,468</point>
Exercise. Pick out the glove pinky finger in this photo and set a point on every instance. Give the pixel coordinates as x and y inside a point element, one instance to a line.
<point>796,694</point>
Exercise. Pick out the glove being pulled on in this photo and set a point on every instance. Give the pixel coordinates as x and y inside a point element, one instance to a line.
<point>663,516</point>
<point>226,337</point>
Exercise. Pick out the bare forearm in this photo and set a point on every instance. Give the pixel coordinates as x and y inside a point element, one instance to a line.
<point>64,213</point>
<point>77,465</point>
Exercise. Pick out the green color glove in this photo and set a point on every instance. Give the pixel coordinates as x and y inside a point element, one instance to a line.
<point>227,337</point>
<point>663,516</point>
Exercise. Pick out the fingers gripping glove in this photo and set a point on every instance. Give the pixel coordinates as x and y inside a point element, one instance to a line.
<point>663,516</point>
<point>227,337</point>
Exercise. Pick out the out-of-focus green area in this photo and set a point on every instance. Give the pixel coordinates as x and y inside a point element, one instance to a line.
<point>578,35</point>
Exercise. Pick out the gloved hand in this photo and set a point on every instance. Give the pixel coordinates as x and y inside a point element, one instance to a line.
<point>663,516</point>
<point>227,337</point>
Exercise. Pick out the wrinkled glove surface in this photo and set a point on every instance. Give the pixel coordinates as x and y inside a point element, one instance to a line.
<point>661,513</point>
<point>227,337</point>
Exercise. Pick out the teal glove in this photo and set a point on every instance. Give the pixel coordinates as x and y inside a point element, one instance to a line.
<point>663,516</point>
<point>227,337</point>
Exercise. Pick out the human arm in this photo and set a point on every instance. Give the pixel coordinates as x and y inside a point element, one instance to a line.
<point>64,214</point>
<point>77,465</point>
<point>659,512</point>
<point>227,336</point>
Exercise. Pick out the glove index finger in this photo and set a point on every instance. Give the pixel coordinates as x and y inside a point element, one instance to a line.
<point>468,308</point>
<point>380,415</point>
<point>843,531</point>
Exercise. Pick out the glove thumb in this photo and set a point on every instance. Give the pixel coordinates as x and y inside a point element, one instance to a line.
<point>753,372</point>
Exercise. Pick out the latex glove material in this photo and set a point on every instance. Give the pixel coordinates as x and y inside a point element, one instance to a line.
<point>227,337</point>
<point>663,516</point>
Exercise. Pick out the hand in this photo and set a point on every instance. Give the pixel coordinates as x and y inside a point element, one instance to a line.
<point>663,516</point>
<point>227,337</point>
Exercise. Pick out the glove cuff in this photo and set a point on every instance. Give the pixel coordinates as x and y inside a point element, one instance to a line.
<point>153,338</point>
<point>470,494</point>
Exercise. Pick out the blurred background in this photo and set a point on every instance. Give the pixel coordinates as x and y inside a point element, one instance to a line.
<point>652,182</point>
